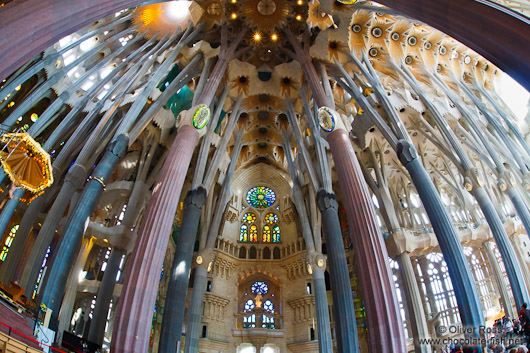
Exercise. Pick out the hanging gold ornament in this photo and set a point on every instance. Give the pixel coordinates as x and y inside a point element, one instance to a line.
<point>25,162</point>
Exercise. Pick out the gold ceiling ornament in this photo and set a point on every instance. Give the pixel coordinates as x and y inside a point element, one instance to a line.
<point>287,84</point>
<point>241,83</point>
<point>167,17</point>
<point>25,162</point>
<point>214,12</point>
<point>317,18</point>
<point>266,15</point>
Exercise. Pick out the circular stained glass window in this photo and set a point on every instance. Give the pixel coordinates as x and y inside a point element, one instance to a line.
<point>268,306</point>
<point>271,218</point>
<point>261,197</point>
<point>249,218</point>
<point>249,305</point>
<point>260,287</point>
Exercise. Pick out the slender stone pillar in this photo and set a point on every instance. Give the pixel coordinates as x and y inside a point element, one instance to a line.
<point>135,309</point>
<point>195,309</point>
<point>9,209</point>
<point>180,272</point>
<point>78,222</point>
<point>106,289</point>
<point>321,300</point>
<point>74,180</point>
<point>24,256</point>
<point>418,321</point>
<point>15,251</point>
<point>385,329</point>
<point>463,283</point>
<point>513,270</point>
<point>67,307</point>
<point>343,309</point>
<point>520,208</point>
<point>499,280</point>
<point>522,261</point>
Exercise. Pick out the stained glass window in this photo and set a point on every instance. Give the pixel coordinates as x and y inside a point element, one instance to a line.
<point>249,305</point>
<point>268,306</point>
<point>261,197</point>
<point>267,322</point>
<point>276,234</point>
<point>253,233</point>
<point>260,287</point>
<point>271,218</point>
<point>243,233</point>
<point>8,242</point>
<point>249,218</point>
<point>249,321</point>
<point>266,234</point>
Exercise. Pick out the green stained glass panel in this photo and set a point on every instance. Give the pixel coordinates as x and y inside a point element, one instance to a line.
<point>261,197</point>
<point>276,234</point>
<point>243,233</point>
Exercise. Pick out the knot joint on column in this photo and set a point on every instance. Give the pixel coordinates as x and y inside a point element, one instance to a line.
<point>119,146</point>
<point>406,152</point>
<point>196,198</point>
<point>326,200</point>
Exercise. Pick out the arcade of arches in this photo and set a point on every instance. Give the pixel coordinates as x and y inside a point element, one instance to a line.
<point>261,176</point>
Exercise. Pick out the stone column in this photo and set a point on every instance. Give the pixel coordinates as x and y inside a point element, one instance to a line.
<point>343,310</point>
<point>73,181</point>
<point>24,256</point>
<point>9,209</point>
<point>76,227</point>
<point>385,329</point>
<point>499,280</point>
<point>105,292</point>
<point>513,270</point>
<point>7,270</point>
<point>65,313</point>
<point>325,344</point>
<point>519,205</point>
<point>135,310</point>
<point>412,296</point>
<point>193,327</point>
<point>180,272</point>
<point>520,257</point>
<point>463,283</point>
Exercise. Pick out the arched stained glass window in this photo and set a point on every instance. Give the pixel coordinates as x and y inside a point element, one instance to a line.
<point>271,218</point>
<point>249,217</point>
<point>261,197</point>
<point>266,234</point>
<point>8,242</point>
<point>249,321</point>
<point>260,287</point>
<point>249,305</point>
<point>267,322</point>
<point>253,233</point>
<point>243,233</point>
<point>276,234</point>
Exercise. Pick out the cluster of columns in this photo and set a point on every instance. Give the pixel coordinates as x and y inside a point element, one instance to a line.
<point>133,321</point>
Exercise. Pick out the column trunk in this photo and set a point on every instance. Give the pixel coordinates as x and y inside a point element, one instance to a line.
<point>135,310</point>
<point>385,329</point>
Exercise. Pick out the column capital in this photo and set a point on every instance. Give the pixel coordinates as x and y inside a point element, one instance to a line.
<point>196,117</point>
<point>196,198</point>
<point>406,152</point>
<point>326,200</point>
